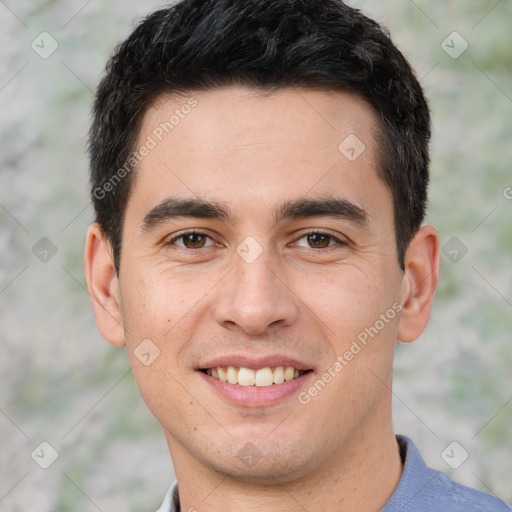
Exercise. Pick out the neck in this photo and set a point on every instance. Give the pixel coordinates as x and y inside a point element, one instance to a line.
<point>361,475</point>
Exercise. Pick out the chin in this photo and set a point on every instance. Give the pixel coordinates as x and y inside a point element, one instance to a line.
<point>275,473</point>
<point>272,466</point>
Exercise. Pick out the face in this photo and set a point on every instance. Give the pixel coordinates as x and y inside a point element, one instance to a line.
<point>259,248</point>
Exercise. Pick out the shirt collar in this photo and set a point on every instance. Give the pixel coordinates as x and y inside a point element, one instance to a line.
<point>171,501</point>
<point>416,476</point>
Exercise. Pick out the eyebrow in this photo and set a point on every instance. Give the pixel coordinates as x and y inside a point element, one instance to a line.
<point>171,208</point>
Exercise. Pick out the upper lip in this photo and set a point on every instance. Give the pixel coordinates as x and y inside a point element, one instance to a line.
<point>254,362</point>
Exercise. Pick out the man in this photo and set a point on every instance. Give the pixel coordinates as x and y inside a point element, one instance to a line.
<point>259,175</point>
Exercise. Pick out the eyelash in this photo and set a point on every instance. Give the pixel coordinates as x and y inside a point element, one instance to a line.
<point>183,234</point>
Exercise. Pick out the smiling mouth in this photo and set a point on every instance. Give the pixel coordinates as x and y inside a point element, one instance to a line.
<point>261,377</point>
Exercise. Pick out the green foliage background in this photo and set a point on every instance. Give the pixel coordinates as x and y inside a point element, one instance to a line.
<point>63,384</point>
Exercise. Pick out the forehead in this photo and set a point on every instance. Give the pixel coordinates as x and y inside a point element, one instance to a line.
<point>232,116</point>
<point>257,151</point>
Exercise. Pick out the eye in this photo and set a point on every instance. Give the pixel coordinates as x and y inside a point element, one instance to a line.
<point>190,240</point>
<point>319,240</point>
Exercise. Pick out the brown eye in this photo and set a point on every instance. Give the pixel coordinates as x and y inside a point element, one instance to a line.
<point>318,240</point>
<point>194,241</point>
<point>190,240</point>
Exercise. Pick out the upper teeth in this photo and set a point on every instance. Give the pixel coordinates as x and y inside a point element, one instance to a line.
<point>248,377</point>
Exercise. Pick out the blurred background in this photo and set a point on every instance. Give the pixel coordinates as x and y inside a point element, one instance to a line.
<point>74,432</point>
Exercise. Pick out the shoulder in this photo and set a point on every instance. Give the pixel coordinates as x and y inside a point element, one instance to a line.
<point>423,489</point>
<point>460,497</point>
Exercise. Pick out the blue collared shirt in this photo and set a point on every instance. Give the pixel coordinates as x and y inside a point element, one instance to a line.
<point>420,489</point>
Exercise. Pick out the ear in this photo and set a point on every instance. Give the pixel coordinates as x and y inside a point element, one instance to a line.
<point>103,285</point>
<point>419,283</point>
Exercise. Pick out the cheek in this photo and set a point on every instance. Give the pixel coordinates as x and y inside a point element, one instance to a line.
<point>152,305</point>
<point>355,312</point>
<point>346,302</point>
<point>159,385</point>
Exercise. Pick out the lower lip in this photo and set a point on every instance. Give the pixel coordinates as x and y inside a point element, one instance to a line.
<point>256,396</point>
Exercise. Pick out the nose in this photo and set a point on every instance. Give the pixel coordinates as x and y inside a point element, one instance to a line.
<point>256,297</point>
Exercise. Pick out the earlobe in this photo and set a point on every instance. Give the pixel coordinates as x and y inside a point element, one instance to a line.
<point>419,283</point>
<point>103,285</point>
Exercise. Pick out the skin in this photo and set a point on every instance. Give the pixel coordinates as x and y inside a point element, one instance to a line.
<point>252,153</point>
